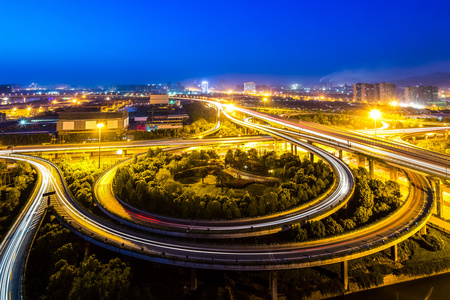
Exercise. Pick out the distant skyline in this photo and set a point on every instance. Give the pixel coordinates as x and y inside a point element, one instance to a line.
<point>91,43</point>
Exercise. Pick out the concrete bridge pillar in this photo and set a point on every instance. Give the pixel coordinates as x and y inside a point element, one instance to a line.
<point>56,155</point>
<point>423,230</point>
<point>311,155</point>
<point>285,146</point>
<point>371,168</point>
<point>341,154</point>
<point>124,153</point>
<point>273,278</point>
<point>344,274</point>
<point>295,149</point>
<point>361,160</point>
<point>292,149</point>
<point>394,252</point>
<point>439,198</point>
<point>193,279</point>
<point>394,173</point>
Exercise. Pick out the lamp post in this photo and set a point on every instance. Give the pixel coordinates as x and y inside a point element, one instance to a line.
<point>99,126</point>
<point>375,114</point>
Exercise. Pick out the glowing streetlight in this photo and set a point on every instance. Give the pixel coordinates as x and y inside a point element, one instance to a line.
<point>99,126</point>
<point>375,114</point>
<point>264,101</point>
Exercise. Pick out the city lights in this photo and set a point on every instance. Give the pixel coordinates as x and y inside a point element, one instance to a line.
<point>375,114</point>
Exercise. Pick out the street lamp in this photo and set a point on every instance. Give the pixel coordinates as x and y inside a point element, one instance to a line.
<point>264,101</point>
<point>99,126</point>
<point>375,114</point>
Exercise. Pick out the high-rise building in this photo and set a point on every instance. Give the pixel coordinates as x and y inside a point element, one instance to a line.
<point>205,87</point>
<point>378,92</point>
<point>250,87</point>
<point>363,92</point>
<point>427,94</point>
<point>385,92</point>
<point>411,94</point>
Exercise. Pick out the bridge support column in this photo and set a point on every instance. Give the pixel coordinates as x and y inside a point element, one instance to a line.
<point>285,146</point>
<point>274,285</point>
<point>124,153</point>
<point>394,174</point>
<point>341,154</point>
<point>193,279</point>
<point>292,149</point>
<point>423,230</point>
<point>371,168</point>
<point>56,155</point>
<point>311,155</point>
<point>295,149</point>
<point>394,252</point>
<point>344,274</point>
<point>439,198</point>
<point>361,161</point>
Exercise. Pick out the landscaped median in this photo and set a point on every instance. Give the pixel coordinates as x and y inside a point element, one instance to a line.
<point>123,211</point>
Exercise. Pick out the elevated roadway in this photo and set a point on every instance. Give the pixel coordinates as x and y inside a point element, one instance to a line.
<point>316,210</point>
<point>381,235</point>
<point>14,247</point>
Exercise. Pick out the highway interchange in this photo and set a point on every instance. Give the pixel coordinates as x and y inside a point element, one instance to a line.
<point>125,239</point>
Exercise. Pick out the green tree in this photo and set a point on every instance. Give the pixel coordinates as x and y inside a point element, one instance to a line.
<point>220,176</point>
<point>317,229</point>
<point>202,173</point>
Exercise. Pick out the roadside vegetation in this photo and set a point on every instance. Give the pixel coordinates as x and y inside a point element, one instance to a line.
<point>80,177</point>
<point>155,183</point>
<point>372,200</point>
<point>25,139</point>
<point>435,144</point>
<point>357,120</point>
<point>16,184</point>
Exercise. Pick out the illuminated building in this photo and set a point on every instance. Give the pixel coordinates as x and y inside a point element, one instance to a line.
<point>205,87</point>
<point>166,122</point>
<point>421,94</point>
<point>427,94</point>
<point>161,99</point>
<point>385,92</point>
<point>411,94</point>
<point>363,92</point>
<point>86,122</point>
<point>250,87</point>
<point>378,92</point>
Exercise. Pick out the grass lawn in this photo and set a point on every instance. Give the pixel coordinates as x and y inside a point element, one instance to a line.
<point>209,187</point>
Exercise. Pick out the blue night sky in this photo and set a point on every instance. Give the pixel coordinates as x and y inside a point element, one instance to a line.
<point>122,42</point>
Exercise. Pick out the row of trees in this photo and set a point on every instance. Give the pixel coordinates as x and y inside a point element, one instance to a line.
<point>342,120</point>
<point>25,139</point>
<point>436,145</point>
<point>372,200</point>
<point>284,166</point>
<point>80,177</point>
<point>15,185</point>
<point>69,275</point>
<point>149,184</point>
